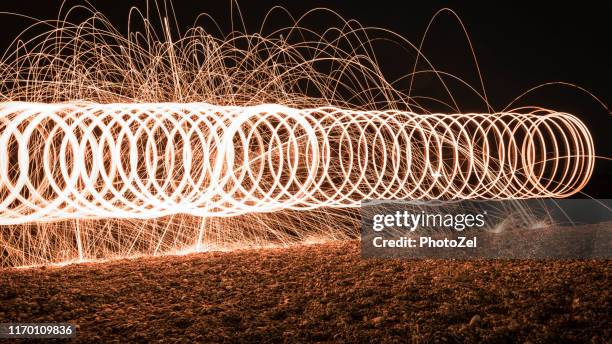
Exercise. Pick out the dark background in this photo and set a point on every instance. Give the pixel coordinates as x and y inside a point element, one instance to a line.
<point>518,46</point>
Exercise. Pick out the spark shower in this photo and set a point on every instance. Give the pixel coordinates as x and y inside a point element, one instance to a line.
<point>115,145</point>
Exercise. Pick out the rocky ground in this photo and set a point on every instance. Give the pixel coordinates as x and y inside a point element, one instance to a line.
<point>316,293</point>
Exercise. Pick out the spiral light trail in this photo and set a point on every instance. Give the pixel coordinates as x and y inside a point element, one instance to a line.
<point>85,160</point>
<point>161,137</point>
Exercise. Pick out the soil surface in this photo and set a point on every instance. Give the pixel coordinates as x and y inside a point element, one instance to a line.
<point>321,293</point>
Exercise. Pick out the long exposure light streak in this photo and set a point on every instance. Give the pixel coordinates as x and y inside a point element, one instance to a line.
<point>81,160</point>
<point>169,138</point>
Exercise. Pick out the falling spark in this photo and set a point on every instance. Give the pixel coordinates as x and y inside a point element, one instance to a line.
<point>118,145</point>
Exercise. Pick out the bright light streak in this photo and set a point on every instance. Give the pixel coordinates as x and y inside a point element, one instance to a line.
<point>160,140</point>
<point>142,161</point>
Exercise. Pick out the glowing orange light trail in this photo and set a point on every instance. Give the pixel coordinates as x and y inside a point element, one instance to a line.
<point>82,160</point>
<point>161,140</point>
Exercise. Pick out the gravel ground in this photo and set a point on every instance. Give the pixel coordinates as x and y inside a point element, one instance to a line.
<point>318,293</point>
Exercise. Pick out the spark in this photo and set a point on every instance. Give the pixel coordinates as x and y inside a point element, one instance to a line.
<point>118,145</point>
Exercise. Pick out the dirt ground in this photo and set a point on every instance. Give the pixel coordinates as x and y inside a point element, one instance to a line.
<point>321,293</point>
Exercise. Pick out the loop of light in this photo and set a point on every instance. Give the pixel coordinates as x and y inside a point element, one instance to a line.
<point>84,160</point>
